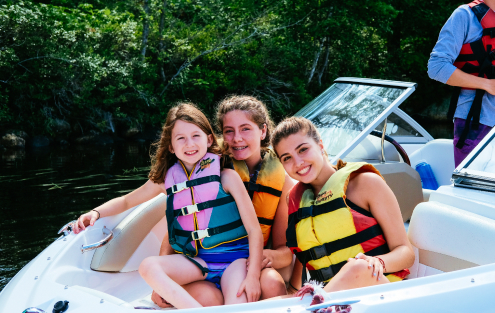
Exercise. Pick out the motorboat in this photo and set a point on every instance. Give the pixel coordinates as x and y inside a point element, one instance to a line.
<point>451,228</point>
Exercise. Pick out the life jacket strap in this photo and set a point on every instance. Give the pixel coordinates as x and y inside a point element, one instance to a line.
<point>327,249</point>
<point>265,221</point>
<point>254,187</point>
<point>204,270</point>
<point>198,207</point>
<point>315,210</point>
<point>203,233</point>
<point>191,183</point>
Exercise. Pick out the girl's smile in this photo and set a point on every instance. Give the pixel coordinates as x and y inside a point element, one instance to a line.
<point>189,143</point>
<point>243,136</point>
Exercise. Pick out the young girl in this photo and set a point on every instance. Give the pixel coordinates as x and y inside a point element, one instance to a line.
<point>205,224</point>
<point>345,225</point>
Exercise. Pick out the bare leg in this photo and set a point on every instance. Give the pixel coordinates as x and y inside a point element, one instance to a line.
<point>205,292</point>
<point>354,274</point>
<point>231,280</point>
<point>165,274</point>
<point>272,284</point>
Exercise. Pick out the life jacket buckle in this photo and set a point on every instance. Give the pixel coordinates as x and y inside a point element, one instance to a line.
<point>200,234</point>
<point>179,187</point>
<point>189,209</point>
<point>305,212</point>
<point>318,252</point>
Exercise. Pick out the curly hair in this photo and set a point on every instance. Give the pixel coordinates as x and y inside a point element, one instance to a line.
<point>255,109</point>
<point>162,159</point>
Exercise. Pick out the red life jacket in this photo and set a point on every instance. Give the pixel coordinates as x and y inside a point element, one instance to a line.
<point>476,58</point>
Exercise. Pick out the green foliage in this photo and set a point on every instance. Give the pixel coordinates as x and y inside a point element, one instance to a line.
<point>83,62</point>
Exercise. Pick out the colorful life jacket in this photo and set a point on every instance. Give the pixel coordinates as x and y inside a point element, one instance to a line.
<point>264,188</point>
<point>476,58</point>
<point>199,211</point>
<point>324,233</point>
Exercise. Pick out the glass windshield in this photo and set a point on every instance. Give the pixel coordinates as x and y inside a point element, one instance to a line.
<point>397,127</point>
<point>344,110</point>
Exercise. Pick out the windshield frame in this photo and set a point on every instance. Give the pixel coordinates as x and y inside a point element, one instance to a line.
<point>408,88</point>
<point>474,179</point>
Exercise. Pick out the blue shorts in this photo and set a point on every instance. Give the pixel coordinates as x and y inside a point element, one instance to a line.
<point>219,258</point>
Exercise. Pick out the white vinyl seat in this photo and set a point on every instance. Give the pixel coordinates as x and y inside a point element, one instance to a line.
<point>447,239</point>
<point>439,153</point>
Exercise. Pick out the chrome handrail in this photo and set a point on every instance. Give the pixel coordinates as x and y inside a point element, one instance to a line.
<point>67,228</point>
<point>100,243</point>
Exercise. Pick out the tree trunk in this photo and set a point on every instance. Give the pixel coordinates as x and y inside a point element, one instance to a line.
<point>320,74</point>
<point>315,62</point>
<point>146,28</point>
<point>161,43</point>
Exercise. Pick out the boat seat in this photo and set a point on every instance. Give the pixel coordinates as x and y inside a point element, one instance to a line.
<point>405,183</point>
<point>136,237</point>
<point>104,296</point>
<point>439,153</point>
<point>447,239</point>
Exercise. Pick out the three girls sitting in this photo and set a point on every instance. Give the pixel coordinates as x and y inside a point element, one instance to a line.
<point>323,237</point>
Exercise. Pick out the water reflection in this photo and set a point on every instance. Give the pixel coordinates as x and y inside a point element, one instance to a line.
<point>42,189</point>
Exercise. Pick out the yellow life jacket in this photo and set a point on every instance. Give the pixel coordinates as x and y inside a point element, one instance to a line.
<point>264,188</point>
<point>325,232</point>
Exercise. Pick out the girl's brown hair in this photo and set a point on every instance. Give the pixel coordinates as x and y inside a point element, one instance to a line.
<point>291,126</point>
<point>162,159</point>
<point>256,110</point>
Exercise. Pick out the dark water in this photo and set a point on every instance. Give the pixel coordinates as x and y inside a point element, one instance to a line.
<point>42,189</point>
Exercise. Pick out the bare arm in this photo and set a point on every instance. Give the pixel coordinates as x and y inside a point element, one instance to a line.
<point>462,79</point>
<point>118,205</point>
<point>371,192</point>
<point>233,184</point>
<point>280,256</point>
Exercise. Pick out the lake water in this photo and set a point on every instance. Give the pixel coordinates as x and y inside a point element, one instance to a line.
<point>43,189</point>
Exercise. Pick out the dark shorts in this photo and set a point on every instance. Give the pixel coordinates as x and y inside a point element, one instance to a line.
<point>473,139</point>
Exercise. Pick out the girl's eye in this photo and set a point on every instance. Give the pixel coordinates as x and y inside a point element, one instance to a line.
<point>180,138</point>
<point>302,150</point>
<point>197,135</point>
<point>245,128</point>
<point>227,131</point>
<point>285,159</point>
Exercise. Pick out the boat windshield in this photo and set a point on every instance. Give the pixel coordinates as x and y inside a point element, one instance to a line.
<point>477,171</point>
<point>348,111</point>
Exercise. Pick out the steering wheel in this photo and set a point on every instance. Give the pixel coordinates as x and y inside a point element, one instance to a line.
<point>397,146</point>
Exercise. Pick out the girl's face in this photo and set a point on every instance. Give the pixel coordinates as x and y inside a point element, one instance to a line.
<point>189,143</point>
<point>242,135</point>
<point>302,158</point>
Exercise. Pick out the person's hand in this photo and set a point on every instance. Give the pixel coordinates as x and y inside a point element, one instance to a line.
<point>85,220</point>
<point>374,265</point>
<point>252,288</point>
<point>267,259</point>
<point>490,87</point>
<point>158,300</point>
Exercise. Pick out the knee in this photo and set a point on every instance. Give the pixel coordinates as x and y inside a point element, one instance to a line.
<point>355,267</point>
<point>272,284</point>
<point>147,267</point>
<point>239,262</point>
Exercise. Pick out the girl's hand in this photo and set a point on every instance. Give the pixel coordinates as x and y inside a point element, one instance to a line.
<point>373,263</point>
<point>252,288</point>
<point>267,259</point>
<point>87,219</point>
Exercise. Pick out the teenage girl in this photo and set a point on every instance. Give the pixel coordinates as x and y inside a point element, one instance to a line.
<point>186,167</point>
<point>345,225</point>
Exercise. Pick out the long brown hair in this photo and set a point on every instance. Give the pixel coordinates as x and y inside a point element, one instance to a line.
<point>162,159</point>
<point>256,110</point>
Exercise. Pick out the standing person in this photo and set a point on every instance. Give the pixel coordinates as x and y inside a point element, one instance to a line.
<point>345,224</point>
<point>209,216</point>
<point>463,57</point>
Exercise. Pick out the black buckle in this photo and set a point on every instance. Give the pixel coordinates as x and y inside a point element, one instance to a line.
<point>326,273</point>
<point>305,212</point>
<point>318,252</point>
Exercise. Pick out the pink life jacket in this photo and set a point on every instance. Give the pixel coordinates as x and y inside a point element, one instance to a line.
<point>198,209</point>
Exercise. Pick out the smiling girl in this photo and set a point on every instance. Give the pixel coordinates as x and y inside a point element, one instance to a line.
<point>345,225</point>
<point>209,216</point>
